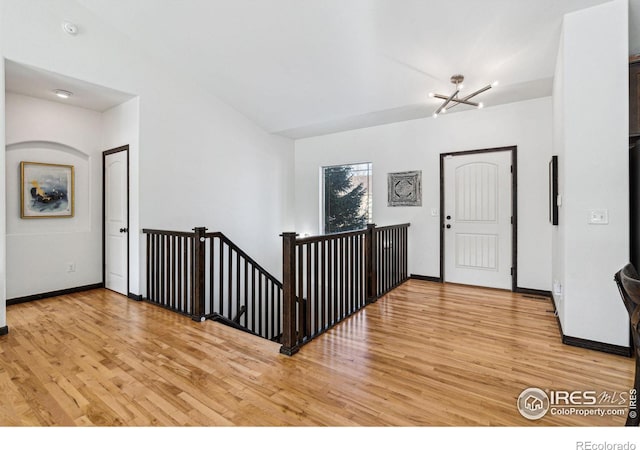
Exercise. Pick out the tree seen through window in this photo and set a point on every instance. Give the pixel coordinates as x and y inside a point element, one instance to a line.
<point>347,197</point>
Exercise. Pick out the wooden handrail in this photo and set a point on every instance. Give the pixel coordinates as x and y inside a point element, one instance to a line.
<point>390,227</point>
<point>168,232</point>
<point>327,237</point>
<point>206,276</point>
<point>323,237</point>
<point>222,236</point>
<point>231,323</point>
<point>326,279</point>
<point>330,277</point>
<point>289,328</point>
<point>247,257</point>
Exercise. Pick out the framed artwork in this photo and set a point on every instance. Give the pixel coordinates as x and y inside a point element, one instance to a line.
<point>46,190</point>
<point>553,190</point>
<point>404,188</point>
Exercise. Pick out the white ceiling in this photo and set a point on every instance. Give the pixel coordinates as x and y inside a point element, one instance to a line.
<point>26,80</point>
<point>306,67</point>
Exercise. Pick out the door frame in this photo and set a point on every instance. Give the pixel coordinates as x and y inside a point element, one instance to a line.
<point>104,197</point>
<point>514,207</point>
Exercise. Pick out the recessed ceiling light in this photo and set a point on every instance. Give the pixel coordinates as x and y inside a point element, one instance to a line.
<point>62,93</point>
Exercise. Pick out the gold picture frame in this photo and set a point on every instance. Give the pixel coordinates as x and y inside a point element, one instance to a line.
<point>46,190</point>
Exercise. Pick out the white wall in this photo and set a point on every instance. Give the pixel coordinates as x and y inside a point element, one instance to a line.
<point>593,151</point>
<point>3,266</point>
<point>120,127</point>
<point>210,167</point>
<point>200,161</point>
<point>558,232</point>
<point>41,249</point>
<point>417,145</point>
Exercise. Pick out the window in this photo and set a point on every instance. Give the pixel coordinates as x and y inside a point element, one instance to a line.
<point>346,194</point>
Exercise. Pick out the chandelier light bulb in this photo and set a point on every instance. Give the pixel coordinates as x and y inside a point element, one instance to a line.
<point>460,86</point>
<point>495,83</point>
<point>480,105</point>
<point>444,110</point>
<point>431,94</point>
<point>435,115</point>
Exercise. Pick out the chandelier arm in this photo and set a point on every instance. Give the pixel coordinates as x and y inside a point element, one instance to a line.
<point>446,102</point>
<point>479,91</point>
<point>466,102</point>
<point>453,100</point>
<point>459,100</point>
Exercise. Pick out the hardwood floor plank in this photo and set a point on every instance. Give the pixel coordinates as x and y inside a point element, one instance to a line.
<point>426,354</point>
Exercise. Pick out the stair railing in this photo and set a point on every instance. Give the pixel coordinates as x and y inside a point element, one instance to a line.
<point>326,279</point>
<point>206,276</point>
<point>336,275</point>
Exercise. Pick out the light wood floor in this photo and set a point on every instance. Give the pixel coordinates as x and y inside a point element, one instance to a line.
<point>426,354</point>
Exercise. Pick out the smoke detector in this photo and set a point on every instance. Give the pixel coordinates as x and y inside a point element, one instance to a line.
<point>70,28</point>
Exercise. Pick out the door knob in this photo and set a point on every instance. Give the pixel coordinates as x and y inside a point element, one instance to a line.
<point>123,230</point>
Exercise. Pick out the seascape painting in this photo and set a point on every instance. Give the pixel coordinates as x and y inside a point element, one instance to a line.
<point>46,190</point>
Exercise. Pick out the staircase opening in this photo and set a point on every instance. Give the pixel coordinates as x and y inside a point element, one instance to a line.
<point>325,279</point>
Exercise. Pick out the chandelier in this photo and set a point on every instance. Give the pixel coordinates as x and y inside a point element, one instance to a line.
<point>453,100</point>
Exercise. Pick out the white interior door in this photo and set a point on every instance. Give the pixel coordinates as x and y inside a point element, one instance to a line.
<point>477,219</point>
<point>116,221</point>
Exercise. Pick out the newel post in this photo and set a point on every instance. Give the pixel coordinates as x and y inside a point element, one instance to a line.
<point>289,332</point>
<point>370,255</point>
<point>199,239</point>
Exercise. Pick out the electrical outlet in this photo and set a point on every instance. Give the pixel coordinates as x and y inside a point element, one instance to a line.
<point>71,267</point>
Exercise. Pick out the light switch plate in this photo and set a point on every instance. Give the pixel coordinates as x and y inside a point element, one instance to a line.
<point>434,212</point>
<point>598,217</point>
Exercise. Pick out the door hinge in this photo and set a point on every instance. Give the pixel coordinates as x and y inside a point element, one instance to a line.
<point>511,220</point>
<point>512,271</point>
<point>511,168</point>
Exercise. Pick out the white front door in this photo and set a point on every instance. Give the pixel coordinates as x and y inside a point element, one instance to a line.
<point>477,219</point>
<point>116,218</point>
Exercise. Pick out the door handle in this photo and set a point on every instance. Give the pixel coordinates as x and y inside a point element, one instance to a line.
<point>123,230</point>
